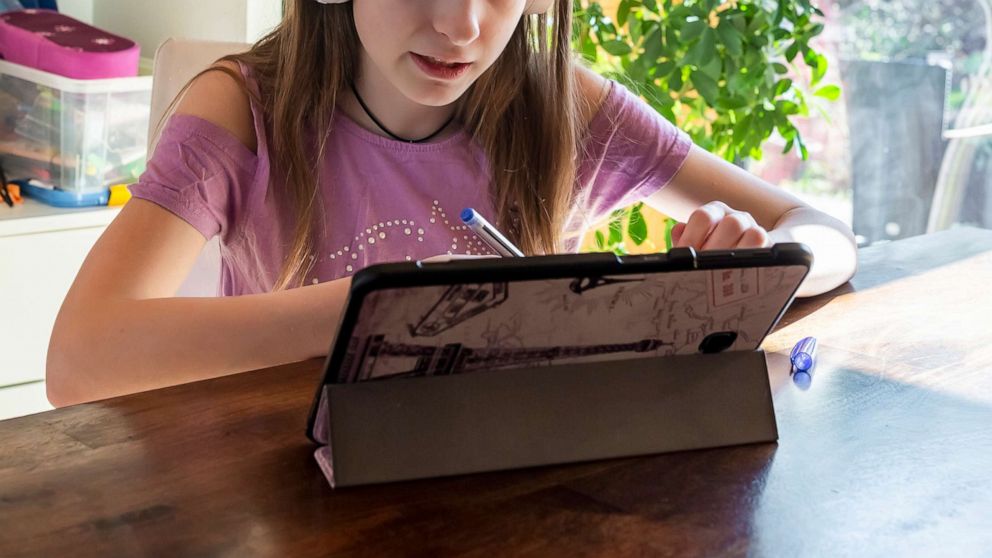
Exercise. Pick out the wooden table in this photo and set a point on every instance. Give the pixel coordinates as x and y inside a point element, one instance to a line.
<point>889,453</point>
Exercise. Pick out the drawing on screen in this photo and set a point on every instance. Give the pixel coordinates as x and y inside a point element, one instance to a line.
<point>450,329</point>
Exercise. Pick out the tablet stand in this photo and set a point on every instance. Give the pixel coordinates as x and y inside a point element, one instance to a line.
<point>409,428</point>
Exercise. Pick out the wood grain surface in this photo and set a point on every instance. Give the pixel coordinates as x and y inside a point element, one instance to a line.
<point>888,453</point>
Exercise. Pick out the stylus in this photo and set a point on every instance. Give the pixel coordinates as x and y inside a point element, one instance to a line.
<point>489,234</point>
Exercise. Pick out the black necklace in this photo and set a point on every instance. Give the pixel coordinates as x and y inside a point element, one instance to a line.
<point>384,129</point>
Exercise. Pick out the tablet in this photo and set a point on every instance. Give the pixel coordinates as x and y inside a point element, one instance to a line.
<point>414,319</point>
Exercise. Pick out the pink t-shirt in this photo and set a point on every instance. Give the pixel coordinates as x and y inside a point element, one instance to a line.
<point>384,200</point>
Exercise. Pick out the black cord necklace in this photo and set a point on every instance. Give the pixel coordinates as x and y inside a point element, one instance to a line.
<point>384,129</point>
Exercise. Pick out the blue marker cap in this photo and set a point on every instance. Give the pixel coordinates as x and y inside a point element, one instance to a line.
<point>803,355</point>
<point>803,359</point>
<point>468,214</point>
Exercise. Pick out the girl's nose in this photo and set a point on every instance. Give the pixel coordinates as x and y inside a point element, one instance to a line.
<point>458,20</point>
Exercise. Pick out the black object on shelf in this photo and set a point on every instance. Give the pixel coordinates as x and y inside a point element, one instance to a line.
<point>895,113</point>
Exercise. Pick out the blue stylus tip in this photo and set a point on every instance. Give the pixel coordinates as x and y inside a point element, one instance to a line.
<point>802,361</point>
<point>467,214</point>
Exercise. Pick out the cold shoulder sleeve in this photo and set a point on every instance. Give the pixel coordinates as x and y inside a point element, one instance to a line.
<point>630,152</point>
<point>201,173</point>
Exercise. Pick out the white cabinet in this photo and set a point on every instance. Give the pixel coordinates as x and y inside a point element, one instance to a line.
<point>41,250</point>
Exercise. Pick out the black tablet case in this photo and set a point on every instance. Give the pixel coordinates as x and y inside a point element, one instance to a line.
<point>441,379</point>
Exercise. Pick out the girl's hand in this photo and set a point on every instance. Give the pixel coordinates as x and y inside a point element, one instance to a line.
<point>717,226</point>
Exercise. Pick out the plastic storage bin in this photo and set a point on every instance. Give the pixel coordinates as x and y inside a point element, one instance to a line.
<point>79,135</point>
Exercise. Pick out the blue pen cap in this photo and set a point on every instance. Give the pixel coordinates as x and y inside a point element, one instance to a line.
<point>804,354</point>
<point>468,214</point>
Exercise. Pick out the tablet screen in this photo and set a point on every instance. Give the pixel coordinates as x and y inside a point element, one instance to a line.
<point>453,329</point>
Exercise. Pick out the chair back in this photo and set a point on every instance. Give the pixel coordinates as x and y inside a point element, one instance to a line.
<point>176,62</point>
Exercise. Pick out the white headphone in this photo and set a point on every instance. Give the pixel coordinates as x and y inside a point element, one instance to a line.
<point>535,6</point>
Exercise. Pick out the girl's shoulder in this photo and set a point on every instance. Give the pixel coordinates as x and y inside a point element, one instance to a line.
<point>609,105</point>
<point>220,97</point>
<point>605,106</point>
<point>592,89</point>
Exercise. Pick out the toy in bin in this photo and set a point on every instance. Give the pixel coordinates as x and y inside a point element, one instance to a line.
<point>79,135</point>
<point>10,193</point>
<point>117,194</point>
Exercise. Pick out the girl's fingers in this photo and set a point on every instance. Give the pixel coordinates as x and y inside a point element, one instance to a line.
<point>700,224</point>
<point>716,226</point>
<point>755,237</point>
<point>728,231</point>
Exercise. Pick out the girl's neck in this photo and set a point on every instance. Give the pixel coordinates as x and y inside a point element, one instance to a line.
<point>403,117</point>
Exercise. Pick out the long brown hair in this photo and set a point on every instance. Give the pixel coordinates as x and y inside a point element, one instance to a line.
<point>523,111</point>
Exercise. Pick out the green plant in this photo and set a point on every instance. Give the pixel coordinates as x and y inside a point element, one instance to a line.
<point>628,225</point>
<point>725,72</point>
<point>718,70</point>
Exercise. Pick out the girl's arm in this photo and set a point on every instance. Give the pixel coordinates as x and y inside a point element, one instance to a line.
<point>120,332</point>
<point>724,206</point>
<point>720,205</point>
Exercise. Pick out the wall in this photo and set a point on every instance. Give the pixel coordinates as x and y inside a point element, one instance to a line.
<point>149,22</point>
<point>79,9</point>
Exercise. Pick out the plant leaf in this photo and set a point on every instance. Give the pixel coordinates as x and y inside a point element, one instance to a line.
<point>703,51</point>
<point>669,225</point>
<point>653,45</point>
<point>792,51</point>
<point>713,68</point>
<point>589,50</point>
<point>787,107</point>
<point>730,37</point>
<point>636,27</point>
<point>820,69</point>
<point>663,69</point>
<point>782,86</point>
<point>616,230</point>
<point>706,86</point>
<point>692,29</point>
<point>730,103</point>
<point>623,10</point>
<point>637,227</point>
<point>616,47</point>
<point>829,92</point>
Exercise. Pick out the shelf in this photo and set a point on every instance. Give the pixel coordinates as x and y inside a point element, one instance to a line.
<point>35,217</point>
<point>23,399</point>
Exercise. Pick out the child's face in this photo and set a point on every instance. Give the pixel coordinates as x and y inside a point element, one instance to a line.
<point>394,32</point>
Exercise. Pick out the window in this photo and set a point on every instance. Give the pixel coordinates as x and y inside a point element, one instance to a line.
<point>907,148</point>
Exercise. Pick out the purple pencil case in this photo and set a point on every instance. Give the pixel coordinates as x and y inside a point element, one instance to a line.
<point>58,44</point>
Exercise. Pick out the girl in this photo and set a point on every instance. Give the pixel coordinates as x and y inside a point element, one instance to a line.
<point>354,134</point>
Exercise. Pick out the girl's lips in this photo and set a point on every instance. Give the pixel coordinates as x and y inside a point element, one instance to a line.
<point>440,71</point>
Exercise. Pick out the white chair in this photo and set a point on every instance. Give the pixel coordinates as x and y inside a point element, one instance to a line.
<point>176,62</point>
